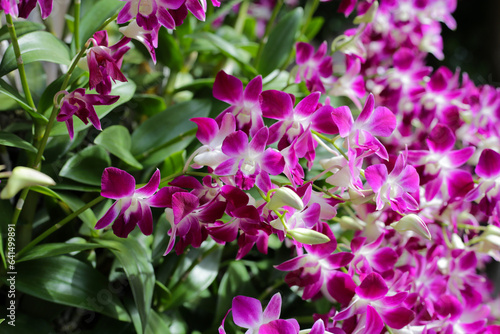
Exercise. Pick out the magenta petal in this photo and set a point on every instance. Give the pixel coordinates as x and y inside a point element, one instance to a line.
<point>308,104</point>
<point>276,104</point>
<point>374,323</point>
<point>235,144</point>
<point>398,317</point>
<point>228,167</point>
<point>151,187</point>
<point>207,129</point>
<point>382,122</point>
<point>163,198</point>
<point>376,176</point>
<point>322,121</point>
<point>280,326</point>
<point>342,117</point>
<point>117,183</point>
<point>124,15</point>
<point>459,183</point>
<point>367,109</point>
<point>459,157</point>
<point>468,261</point>
<point>441,139</point>
<point>195,7</point>
<point>489,164</point>
<point>341,287</point>
<point>318,327</point>
<point>273,162</point>
<point>146,221</point>
<point>373,287</point>
<point>304,52</point>
<point>183,204</point>
<point>253,90</point>
<point>339,260</point>
<point>273,309</point>
<point>247,312</point>
<point>227,88</point>
<point>384,259</point>
<point>109,216</point>
<point>165,18</point>
<point>258,142</point>
<point>394,300</point>
<point>292,264</point>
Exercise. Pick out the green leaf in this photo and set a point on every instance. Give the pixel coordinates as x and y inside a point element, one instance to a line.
<point>228,49</point>
<point>280,42</point>
<point>314,27</point>
<point>22,28</point>
<point>168,52</point>
<point>235,281</point>
<point>167,127</point>
<point>46,191</point>
<point>194,275</point>
<point>96,14</point>
<point>10,139</point>
<point>36,46</point>
<point>116,140</point>
<point>68,281</point>
<point>124,89</point>
<point>87,165</point>
<point>136,262</point>
<point>11,92</point>
<point>148,104</point>
<point>173,164</point>
<point>55,249</point>
<point>75,203</point>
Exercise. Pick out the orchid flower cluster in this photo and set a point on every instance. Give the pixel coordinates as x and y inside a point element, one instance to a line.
<point>410,167</point>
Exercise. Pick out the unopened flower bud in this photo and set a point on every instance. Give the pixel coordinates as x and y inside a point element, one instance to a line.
<point>492,230</point>
<point>309,237</point>
<point>285,197</point>
<point>349,223</point>
<point>457,242</point>
<point>23,177</point>
<point>414,223</point>
<point>368,16</point>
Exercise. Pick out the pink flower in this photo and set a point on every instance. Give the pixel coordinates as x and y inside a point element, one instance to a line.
<point>247,313</point>
<point>26,6</point>
<point>104,62</point>
<point>133,205</point>
<point>82,105</point>
<point>150,14</point>
<point>9,7</point>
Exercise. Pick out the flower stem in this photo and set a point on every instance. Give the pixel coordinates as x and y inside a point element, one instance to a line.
<point>76,35</point>
<point>20,64</point>
<point>60,224</point>
<point>242,15</point>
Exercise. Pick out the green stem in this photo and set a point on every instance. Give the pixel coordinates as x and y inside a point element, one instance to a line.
<point>20,64</point>
<point>60,224</point>
<point>242,15</point>
<point>310,10</point>
<point>269,25</point>
<point>76,35</point>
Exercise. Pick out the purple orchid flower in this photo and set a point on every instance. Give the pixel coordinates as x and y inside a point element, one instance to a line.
<point>26,6</point>
<point>133,205</point>
<point>394,188</point>
<point>150,14</point>
<point>247,313</point>
<point>488,189</point>
<point>82,105</point>
<point>370,123</point>
<point>147,37</point>
<point>244,103</point>
<point>250,163</point>
<point>376,308</point>
<point>9,7</point>
<point>104,62</point>
<point>313,66</point>
<point>350,83</point>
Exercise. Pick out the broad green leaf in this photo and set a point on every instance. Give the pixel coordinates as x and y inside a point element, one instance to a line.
<point>75,203</point>
<point>116,140</point>
<point>173,164</point>
<point>280,43</point>
<point>96,14</point>
<point>10,139</point>
<point>314,27</point>
<point>87,165</point>
<point>55,249</point>
<point>194,276</point>
<point>46,191</point>
<point>11,92</point>
<point>166,127</point>
<point>136,262</point>
<point>147,104</point>
<point>22,28</point>
<point>124,89</point>
<point>168,52</point>
<point>236,281</point>
<point>36,46</point>
<point>26,324</point>
<point>68,281</point>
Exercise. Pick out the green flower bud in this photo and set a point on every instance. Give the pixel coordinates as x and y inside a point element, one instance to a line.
<point>285,197</point>
<point>23,177</point>
<point>414,223</point>
<point>309,237</point>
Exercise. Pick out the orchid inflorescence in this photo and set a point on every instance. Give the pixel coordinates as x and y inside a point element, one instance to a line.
<point>412,165</point>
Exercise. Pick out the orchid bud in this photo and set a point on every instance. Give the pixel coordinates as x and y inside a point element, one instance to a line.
<point>309,237</point>
<point>457,242</point>
<point>23,177</point>
<point>285,197</point>
<point>492,230</point>
<point>368,16</point>
<point>349,223</point>
<point>414,223</point>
